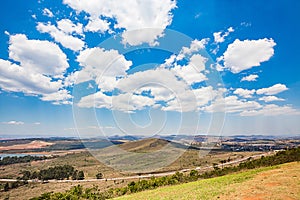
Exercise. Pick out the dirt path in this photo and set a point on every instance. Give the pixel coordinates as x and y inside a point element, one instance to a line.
<point>280,183</point>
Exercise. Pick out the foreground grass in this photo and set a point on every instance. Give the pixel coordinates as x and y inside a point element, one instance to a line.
<point>213,188</point>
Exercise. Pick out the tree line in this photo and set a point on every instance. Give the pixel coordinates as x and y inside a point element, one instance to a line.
<point>78,192</point>
<point>22,159</point>
<point>57,172</point>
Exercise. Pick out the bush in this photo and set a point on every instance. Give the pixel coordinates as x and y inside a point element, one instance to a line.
<point>99,175</point>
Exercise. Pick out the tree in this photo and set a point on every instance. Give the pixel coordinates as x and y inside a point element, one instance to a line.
<point>99,175</point>
<point>26,175</point>
<point>80,175</point>
<point>75,175</point>
<point>215,166</point>
<point>6,187</point>
<point>34,175</point>
<point>223,162</point>
<point>194,173</point>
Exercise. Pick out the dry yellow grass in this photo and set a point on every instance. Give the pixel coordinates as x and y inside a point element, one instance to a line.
<point>281,183</point>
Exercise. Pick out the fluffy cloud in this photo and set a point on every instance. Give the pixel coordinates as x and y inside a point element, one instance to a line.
<point>166,87</point>
<point>105,70</point>
<point>13,123</point>
<point>47,12</point>
<point>17,78</point>
<point>140,36</point>
<point>62,36</point>
<point>192,72</point>
<point>188,52</point>
<point>154,15</point>
<point>242,55</point>
<point>161,77</point>
<point>108,62</point>
<point>272,110</point>
<point>159,92</point>
<point>68,27</point>
<point>192,100</point>
<point>163,84</point>
<point>251,77</point>
<point>244,92</point>
<point>195,46</point>
<point>39,56</point>
<point>40,69</point>
<point>151,88</point>
<point>184,101</point>
<point>59,97</point>
<point>270,99</point>
<point>175,93</point>
<point>97,25</point>
<point>131,102</point>
<point>275,89</point>
<point>98,100</point>
<point>219,37</point>
<point>123,102</point>
<point>231,104</point>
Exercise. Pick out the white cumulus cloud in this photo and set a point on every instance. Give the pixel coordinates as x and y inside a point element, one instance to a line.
<point>124,102</point>
<point>47,12</point>
<point>38,70</point>
<point>244,92</point>
<point>231,104</point>
<point>69,27</point>
<point>251,77</point>
<point>275,89</point>
<point>191,73</point>
<point>17,78</point>
<point>60,36</point>
<point>39,56</point>
<point>97,25</point>
<point>242,55</point>
<point>270,99</point>
<point>195,46</point>
<point>102,66</point>
<point>59,97</point>
<point>154,15</point>
<point>219,37</point>
<point>272,110</point>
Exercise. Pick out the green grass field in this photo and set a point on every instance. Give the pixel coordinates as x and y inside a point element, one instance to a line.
<point>232,186</point>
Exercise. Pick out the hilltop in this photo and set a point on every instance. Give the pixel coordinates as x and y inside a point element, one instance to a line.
<point>150,145</point>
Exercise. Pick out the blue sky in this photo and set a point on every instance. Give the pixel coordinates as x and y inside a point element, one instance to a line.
<point>98,67</point>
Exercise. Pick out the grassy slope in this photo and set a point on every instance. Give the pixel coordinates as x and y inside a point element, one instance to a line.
<point>244,185</point>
